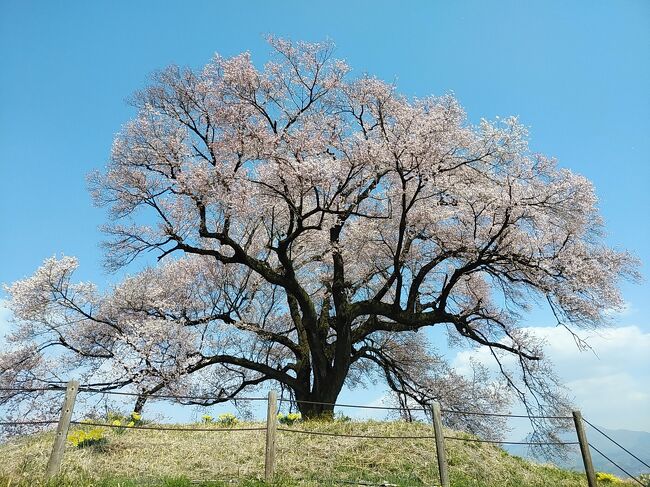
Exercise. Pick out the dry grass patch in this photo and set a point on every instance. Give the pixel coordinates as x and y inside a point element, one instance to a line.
<point>147,457</point>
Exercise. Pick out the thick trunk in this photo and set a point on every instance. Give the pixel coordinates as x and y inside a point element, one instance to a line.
<point>319,403</point>
<point>316,411</point>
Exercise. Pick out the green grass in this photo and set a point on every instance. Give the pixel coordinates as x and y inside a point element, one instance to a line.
<point>139,458</point>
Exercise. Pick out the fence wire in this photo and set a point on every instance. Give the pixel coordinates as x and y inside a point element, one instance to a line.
<point>163,428</point>
<point>360,483</point>
<point>318,433</point>
<point>28,423</point>
<point>92,390</point>
<point>616,443</point>
<point>288,430</point>
<point>499,442</point>
<point>133,394</point>
<point>616,465</point>
<point>346,435</point>
<point>342,405</point>
<point>450,411</point>
<point>32,389</point>
<point>281,399</point>
<point>502,415</point>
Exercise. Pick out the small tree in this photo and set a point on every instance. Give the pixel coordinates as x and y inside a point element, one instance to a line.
<point>310,227</point>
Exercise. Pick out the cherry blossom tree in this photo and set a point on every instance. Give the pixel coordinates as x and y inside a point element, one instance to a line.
<point>310,226</point>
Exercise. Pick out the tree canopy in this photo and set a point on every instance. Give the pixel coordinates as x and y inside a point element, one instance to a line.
<point>310,226</point>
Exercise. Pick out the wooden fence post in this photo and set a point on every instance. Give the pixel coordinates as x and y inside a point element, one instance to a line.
<point>271,426</point>
<point>440,444</point>
<point>54,463</point>
<point>584,449</point>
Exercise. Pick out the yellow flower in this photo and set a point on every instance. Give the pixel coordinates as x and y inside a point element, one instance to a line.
<point>95,434</point>
<point>117,422</point>
<point>83,438</point>
<point>131,424</point>
<point>75,437</point>
<point>136,416</point>
<point>607,478</point>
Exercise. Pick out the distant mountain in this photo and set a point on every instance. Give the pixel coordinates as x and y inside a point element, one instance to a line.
<point>638,442</point>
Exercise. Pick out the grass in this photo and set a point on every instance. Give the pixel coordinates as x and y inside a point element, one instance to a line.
<point>139,458</point>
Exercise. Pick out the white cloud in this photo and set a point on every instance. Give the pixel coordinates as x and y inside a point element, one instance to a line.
<point>610,383</point>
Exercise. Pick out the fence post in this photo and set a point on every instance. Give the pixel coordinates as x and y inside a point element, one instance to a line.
<point>54,463</point>
<point>584,449</point>
<point>440,444</point>
<point>271,426</point>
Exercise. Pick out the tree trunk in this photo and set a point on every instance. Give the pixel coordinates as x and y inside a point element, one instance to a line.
<point>319,403</point>
<point>316,411</point>
<point>139,404</point>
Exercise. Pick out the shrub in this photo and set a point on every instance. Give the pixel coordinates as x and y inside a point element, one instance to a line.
<point>121,422</point>
<point>207,419</point>
<point>85,438</point>
<point>289,419</point>
<point>227,420</point>
<point>607,478</point>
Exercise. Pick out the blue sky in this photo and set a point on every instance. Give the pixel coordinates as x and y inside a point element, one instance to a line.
<point>577,73</point>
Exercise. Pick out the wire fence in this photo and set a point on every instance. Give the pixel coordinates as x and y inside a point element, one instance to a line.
<point>281,399</point>
<point>617,443</point>
<point>351,435</point>
<point>500,442</point>
<point>616,464</point>
<point>162,428</point>
<point>272,427</point>
<point>92,390</point>
<point>28,423</point>
<point>448,411</point>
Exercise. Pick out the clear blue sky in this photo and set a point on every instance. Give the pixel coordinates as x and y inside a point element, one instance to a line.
<point>578,73</point>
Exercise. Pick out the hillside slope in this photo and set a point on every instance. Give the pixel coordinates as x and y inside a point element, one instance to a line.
<point>144,457</point>
<point>637,442</point>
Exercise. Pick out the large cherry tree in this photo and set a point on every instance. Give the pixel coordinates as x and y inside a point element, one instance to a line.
<point>310,225</point>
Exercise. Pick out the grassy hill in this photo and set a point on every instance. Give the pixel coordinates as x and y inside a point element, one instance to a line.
<point>636,441</point>
<point>179,459</point>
